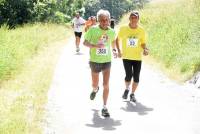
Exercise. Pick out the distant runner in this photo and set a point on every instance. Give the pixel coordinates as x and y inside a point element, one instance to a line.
<point>90,22</point>
<point>77,24</point>
<point>112,22</point>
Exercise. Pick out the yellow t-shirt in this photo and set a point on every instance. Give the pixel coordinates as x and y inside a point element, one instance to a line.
<point>131,40</point>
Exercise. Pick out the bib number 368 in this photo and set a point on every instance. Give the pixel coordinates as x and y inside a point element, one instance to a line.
<point>101,51</point>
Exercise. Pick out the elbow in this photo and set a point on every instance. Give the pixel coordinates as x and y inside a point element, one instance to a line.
<point>84,43</point>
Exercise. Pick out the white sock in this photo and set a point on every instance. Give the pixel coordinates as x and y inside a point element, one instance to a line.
<point>127,88</point>
<point>95,89</point>
<point>104,107</point>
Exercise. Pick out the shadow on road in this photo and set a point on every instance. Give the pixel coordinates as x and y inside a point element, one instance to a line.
<point>137,107</point>
<point>79,53</point>
<point>104,123</point>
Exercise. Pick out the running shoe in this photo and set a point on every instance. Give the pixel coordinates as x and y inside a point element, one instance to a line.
<point>132,98</point>
<point>125,95</point>
<point>93,94</point>
<point>105,113</point>
<point>77,49</point>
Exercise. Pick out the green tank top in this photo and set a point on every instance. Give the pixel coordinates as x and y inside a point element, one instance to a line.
<point>96,35</point>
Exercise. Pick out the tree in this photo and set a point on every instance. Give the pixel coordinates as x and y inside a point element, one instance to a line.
<point>16,11</point>
<point>116,7</point>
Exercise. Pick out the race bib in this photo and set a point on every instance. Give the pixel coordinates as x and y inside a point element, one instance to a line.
<point>78,25</point>
<point>102,51</point>
<point>132,42</point>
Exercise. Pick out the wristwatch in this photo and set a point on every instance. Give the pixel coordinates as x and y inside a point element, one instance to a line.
<point>114,50</point>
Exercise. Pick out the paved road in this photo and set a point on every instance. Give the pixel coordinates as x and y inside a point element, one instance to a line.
<point>164,107</point>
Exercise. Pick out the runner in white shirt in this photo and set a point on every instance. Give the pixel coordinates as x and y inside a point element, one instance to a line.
<point>77,24</point>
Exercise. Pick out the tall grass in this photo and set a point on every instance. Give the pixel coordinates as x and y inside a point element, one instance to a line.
<point>173,29</point>
<point>33,50</point>
<point>174,32</point>
<point>23,99</point>
<point>18,45</point>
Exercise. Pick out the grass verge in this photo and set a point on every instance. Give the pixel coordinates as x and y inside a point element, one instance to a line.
<point>23,98</point>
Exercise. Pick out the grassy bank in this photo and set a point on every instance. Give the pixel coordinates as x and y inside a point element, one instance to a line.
<point>173,31</point>
<point>173,36</point>
<point>22,43</point>
<point>22,98</point>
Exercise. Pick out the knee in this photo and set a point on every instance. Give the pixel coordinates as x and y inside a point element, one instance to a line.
<point>95,84</point>
<point>128,78</point>
<point>106,86</point>
<point>136,80</point>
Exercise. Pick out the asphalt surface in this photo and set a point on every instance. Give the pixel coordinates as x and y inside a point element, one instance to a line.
<point>163,107</point>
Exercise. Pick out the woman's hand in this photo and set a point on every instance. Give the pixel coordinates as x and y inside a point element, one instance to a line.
<point>146,51</point>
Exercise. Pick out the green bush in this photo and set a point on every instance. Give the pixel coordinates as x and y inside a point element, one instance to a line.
<point>61,18</point>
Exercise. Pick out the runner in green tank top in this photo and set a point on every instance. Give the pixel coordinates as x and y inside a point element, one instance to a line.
<point>101,41</point>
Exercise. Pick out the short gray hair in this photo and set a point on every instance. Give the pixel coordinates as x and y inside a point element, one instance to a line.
<point>104,13</point>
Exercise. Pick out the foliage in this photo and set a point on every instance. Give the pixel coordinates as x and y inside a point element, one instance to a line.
<point>14,12</point>
<point>116,7</point>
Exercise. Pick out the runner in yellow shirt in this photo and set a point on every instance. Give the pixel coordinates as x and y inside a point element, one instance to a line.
<point>133,44</point>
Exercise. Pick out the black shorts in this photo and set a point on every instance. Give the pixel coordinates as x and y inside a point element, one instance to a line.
<point>78,34</point>
<point>98,67</point>
<point>132,69</point>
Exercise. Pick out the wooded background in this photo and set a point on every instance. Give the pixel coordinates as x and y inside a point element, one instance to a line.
<point>17,12</point>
